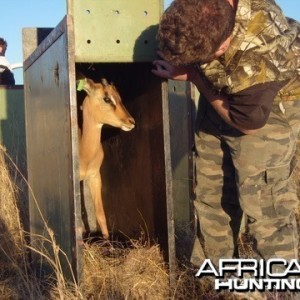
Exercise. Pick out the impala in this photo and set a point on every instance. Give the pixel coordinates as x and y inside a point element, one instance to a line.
<point>102,105</point>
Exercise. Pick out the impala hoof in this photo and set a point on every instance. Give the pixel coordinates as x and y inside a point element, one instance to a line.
<point>106,236</point>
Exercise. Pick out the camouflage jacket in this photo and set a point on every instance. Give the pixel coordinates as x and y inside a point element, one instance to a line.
<point>265,47</point>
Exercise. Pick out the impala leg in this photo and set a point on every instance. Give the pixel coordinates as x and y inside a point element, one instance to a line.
<point>95,188</point>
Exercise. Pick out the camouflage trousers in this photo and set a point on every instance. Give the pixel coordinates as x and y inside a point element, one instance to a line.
<point>248,174</point>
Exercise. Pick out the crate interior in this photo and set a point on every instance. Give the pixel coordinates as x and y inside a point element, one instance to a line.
<point>133,171</point>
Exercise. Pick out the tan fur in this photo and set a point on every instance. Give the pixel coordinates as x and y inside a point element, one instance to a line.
<point>97,112</point>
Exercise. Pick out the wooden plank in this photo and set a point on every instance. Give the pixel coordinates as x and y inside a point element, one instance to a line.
<point>51,129</point>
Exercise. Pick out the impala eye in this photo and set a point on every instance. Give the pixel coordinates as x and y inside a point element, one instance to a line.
<point>107,100</point>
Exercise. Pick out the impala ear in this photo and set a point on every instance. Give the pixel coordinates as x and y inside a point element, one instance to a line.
<point>104,82</point>
<point>85,84</point>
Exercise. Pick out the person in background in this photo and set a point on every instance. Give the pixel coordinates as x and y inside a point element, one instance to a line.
<point>244,58</point>
<point>6,74</point>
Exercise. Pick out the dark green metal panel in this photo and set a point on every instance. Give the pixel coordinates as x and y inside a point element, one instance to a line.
<point>32,38</point>
<point>12,124</point>
<point>51,132</point>
<point>12,137</point>
<point>181,110</point>
<point>115,31</point>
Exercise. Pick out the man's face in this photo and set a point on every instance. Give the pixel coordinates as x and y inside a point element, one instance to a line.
<point>2,49</point>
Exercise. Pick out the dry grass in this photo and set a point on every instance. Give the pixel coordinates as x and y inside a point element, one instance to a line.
<point>17,280</point>
<point>12,258</point>
<point>124,273</point>
<point>111,270</point>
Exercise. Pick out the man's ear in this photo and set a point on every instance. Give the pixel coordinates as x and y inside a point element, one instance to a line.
<point>223,47</point>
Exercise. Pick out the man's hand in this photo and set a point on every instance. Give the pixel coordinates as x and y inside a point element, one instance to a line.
<point>165,70</point>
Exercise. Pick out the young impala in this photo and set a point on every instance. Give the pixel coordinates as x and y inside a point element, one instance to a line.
<point>102,105</point>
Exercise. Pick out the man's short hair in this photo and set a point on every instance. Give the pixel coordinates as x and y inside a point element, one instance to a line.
<point>3,42</point>
<point>191,31</point>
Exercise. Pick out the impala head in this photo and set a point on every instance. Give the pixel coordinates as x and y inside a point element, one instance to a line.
<point>104,104</point>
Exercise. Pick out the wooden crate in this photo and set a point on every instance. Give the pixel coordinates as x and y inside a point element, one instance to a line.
<point>146,172</point>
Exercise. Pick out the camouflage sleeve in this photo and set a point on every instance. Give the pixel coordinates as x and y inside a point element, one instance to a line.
<point>250,108</point>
